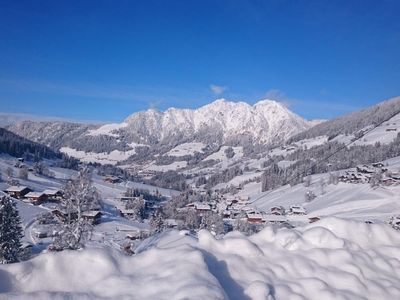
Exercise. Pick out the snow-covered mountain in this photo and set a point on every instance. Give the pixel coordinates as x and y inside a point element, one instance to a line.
<point>266,121</point>
<point>219,122</point>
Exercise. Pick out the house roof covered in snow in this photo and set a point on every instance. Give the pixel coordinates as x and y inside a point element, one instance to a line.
<point>16,188</point>
<point>51,192</point>
<point>34,194</point>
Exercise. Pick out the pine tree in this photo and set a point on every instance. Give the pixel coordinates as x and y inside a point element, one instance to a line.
<point>10,231</point>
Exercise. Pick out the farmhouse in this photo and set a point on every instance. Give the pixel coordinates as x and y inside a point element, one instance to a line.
<point>255,218</point>
<point>313,219</point>
<point>92,216</point>
<point>17,191</point>
<point>124,212</point>
<point>35,197</point>
<point>199,207</point>
<point>53,194</point>
<point>277,210</point>
<point>112,179</point>
<point>297,210</point>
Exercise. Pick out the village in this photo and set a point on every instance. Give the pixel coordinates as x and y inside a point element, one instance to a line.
<point>230,208</point>
<point>375,174</point>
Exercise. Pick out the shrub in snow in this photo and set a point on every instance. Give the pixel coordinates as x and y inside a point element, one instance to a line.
<point>10,231</point>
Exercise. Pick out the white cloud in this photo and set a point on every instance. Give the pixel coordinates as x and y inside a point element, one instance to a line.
<point>217,89</point>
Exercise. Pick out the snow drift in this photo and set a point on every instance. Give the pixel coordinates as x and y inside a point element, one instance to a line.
<point>330,259</point>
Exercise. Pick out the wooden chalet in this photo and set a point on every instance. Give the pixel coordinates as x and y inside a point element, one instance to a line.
<point>255,218</point>
<point>35,197</point>
<point>313,219</point>
<point>297,210</point>
<point>53,194</point>
<point>277,210</point>
<point>112,179</point>
<point>92,216</point>
<point>17,191</point>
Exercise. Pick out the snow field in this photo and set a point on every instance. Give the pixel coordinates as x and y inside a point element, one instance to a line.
<point>186,149</point>
<point>112,158</point>
<point>330,259</point>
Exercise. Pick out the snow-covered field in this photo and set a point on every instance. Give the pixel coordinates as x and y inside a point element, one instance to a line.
<point>383,134</point>
<point>329,259</point>
<point>112,158</point>
<point>186,149</point>
<point>176,165</point>
<point>107,129</point>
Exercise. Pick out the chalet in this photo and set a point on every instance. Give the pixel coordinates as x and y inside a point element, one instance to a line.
<point>203,207</point>
<point>124,212</point>
<point>17,191</point>
<point>20,159</point>
<point>297,210</point>
<point>92,216</point>
<point>255,218</point>
<point>313,219</point>
<point>112,179</point>
<point>199,207</point>
<point>277,210</point>
<point>53,194</point>
<point>35,197</point>
<point>127,198</point>
<point>365,169</point>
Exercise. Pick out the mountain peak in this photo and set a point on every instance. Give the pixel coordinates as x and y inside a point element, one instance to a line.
<point>266,121</point>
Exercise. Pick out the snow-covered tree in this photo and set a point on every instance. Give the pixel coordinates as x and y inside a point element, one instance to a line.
<point>10,231</point>
<point>9,174</point>
<point>375,179</point>
<point>191,220</point>
<point>79,196</point>
<point>307,181</point>
<point>138,205</point>
<point>309,196</point>
<point>213,223</point>
<point>157,221</point>
<point>23,173</point>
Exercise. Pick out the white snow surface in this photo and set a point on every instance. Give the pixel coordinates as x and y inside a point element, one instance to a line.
<point>112,158</point>
<point>107,129</point>
<point>330,259</point>
<point>383,134</point>
<point>176,165</point>
<point>186,149</point>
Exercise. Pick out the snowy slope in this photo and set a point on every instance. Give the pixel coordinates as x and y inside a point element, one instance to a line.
<point>330,259</point>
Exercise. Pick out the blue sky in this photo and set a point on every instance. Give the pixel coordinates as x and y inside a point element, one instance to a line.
<point>103,60</point>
